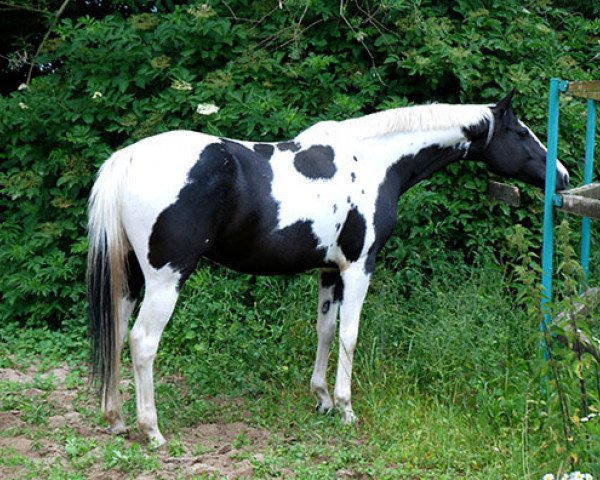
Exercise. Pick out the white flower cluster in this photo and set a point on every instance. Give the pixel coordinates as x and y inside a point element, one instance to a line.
<point>181,85</point>
<point>569,476</point>
<point>589,417</point>
<point>206,109</point>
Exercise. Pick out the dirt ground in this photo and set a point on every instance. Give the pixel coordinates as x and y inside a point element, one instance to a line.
<point>206,450</point>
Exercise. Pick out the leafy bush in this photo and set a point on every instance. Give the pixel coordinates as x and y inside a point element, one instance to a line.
<point>272,72</point>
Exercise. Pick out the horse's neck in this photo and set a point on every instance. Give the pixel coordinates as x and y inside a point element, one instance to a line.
<point>409,157</point>
<point>395,147</point>
<point>395,135</point>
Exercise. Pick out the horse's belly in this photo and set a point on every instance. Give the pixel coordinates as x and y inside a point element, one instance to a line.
<point>292,249</point>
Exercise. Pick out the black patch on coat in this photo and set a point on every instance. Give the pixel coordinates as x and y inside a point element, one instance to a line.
<point>249,240</point>
<point>292,249</point>
<point>405,173</point>
<point>225,213</point>
<point>332,278</point>
<point>477,134</point>
<point>316,162</point>
<point>135,277</point>
<point>349,200</point>
<point>264,149</point>
<point>180,232</point>
<point>353,176</point>
<point>334,208</point>
<point>291,146</point>
<point>328,278</point>
<point>355,159</point>
<point>352,236</point>
<point>326,306</point>
<point>338,290</point>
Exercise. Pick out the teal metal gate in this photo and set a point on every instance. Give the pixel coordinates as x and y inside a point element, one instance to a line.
<point>583,201</point>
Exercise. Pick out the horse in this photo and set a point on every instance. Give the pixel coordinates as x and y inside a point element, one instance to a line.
<point>325,200</point>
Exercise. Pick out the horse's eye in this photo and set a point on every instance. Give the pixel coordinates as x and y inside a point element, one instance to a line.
<point>523,133</point>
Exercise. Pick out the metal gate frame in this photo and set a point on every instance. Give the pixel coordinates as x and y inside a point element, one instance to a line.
<point>583,201</point>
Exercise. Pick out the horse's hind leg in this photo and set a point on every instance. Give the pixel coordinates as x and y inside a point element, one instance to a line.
<point>111,406</point>
<point>157,307</point>
<point>111,402</point>
<point>329,298</point>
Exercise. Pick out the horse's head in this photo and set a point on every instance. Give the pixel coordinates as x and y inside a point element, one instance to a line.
<point>514,151</point>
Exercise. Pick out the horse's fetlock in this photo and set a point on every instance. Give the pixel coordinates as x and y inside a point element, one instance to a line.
<point>147,423</point>
<point>318,386</point>
<point>111,412</point>
<point>349,417</point>
<point>118,427</point>
<point>342,401</point>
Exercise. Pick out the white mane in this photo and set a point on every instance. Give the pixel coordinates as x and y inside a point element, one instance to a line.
<point>437,116</point>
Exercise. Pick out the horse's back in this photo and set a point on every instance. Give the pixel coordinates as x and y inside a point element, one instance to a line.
<point>254,207</point>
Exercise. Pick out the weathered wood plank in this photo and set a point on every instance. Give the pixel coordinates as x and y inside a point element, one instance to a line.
<point>585,89</point>
<point>503,192</point>
<point>581,206</point>
<point>592,190</point>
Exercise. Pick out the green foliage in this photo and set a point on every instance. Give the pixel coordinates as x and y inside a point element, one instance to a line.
<point>129,458</point>
<point>570,378</point>
<point>272,72</point>
<point>446,381</point>
<point>79,451</point>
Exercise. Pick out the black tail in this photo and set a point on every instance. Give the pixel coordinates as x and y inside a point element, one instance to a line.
<point>102,325</point>
<point>106,273</point>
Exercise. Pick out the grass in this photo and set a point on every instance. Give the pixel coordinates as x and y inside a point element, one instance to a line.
<point>444,386</point>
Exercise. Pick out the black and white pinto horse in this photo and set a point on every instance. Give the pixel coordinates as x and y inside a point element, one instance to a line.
<point>325,200</point>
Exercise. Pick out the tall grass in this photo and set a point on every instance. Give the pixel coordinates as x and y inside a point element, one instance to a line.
<point>446,381</point>
<point>456,333</point>
<point>454,342</point>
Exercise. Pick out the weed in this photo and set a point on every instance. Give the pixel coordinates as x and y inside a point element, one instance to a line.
<point>75,379</point>
<point>129,458</point>
<point>175,447</point>
<point>199,450</point>
<point>79,451</point>
<point>241,440</point>
<point>443,389</point>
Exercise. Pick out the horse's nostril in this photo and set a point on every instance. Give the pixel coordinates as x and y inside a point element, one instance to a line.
<point>562,180</point>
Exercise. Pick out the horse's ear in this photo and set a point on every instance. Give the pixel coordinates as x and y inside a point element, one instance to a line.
<point>504,104</point>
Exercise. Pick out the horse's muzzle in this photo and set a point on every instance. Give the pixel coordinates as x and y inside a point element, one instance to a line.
<point>562,180</point>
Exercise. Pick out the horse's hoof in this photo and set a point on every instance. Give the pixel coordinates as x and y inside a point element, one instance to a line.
<point>156,441</point>
<point>348,417</point>
<point>118,429</point>
<point>323,409</point>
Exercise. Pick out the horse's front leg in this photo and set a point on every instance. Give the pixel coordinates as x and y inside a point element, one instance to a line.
<point>355,283</point>
<point>330,284</point>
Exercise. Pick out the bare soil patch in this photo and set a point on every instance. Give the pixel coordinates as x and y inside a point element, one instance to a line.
<point>220,449</point>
